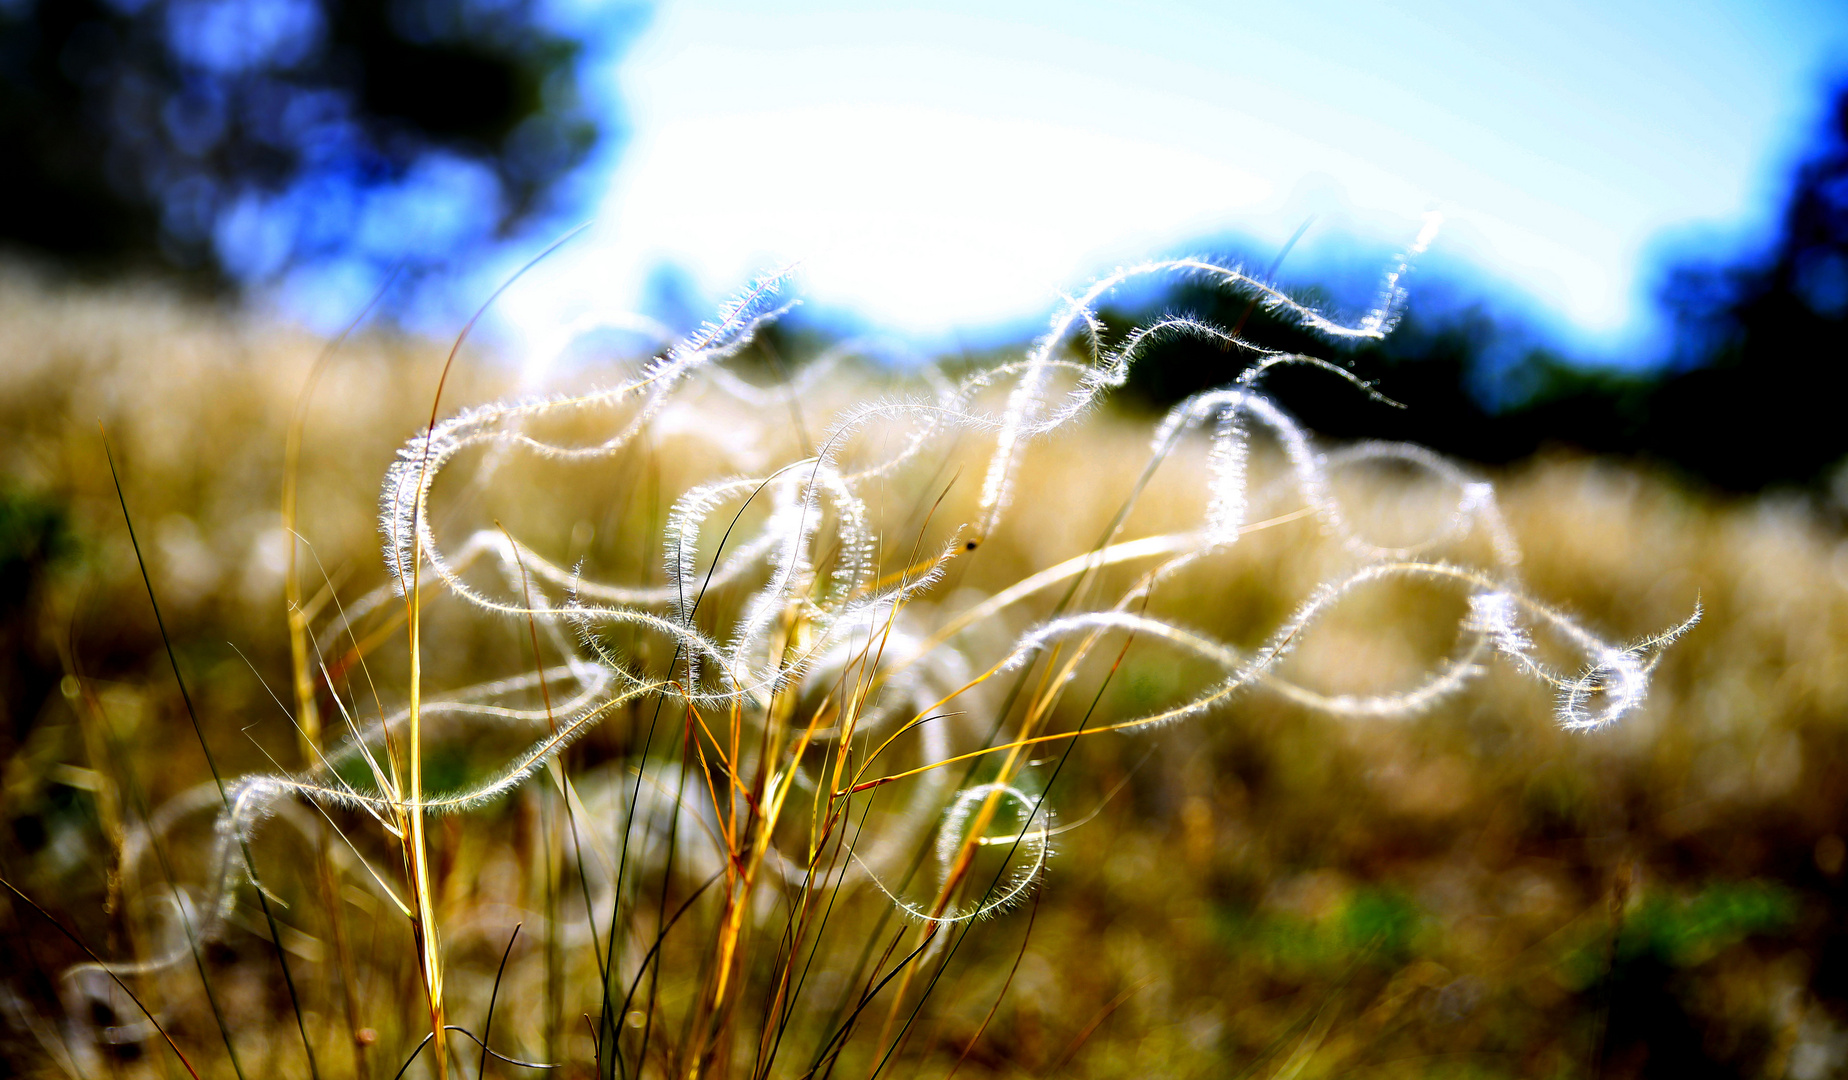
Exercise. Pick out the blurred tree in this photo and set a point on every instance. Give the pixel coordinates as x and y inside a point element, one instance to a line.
<point>1755,396</point>
<point>1752,396</point>
<point>232,140</point>
<point>1436,365</point>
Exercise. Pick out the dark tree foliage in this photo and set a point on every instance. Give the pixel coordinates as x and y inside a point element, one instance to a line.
<point>1754,397</point>
<point>1758,396</point>
<point>145,133</point>
<point>1430,364</point>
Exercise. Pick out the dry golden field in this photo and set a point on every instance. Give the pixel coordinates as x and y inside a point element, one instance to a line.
<point>1262,887</point>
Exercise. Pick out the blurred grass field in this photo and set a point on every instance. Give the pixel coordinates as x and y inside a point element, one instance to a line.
<point>1262,891</point>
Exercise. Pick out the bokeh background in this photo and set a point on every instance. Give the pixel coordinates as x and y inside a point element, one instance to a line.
<point>1633,321</point>
<point>1643,208</point>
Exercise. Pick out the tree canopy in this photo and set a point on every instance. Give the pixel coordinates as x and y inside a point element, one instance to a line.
<point>231,140</point>
<point>1751,396</point>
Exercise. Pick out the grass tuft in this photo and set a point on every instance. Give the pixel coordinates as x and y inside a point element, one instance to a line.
<point>765,709</point>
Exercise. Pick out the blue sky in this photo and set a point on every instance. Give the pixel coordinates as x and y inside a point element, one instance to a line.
<point>948,168</point>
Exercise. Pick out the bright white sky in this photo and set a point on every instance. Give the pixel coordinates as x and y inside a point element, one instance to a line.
<point>944,167</point>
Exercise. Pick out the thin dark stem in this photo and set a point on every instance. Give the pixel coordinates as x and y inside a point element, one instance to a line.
<point>250,864</point>
<point>407,1061</point>
<point>472,1037</point>
<point>865,1000</point>
<point>487,1026</point>
<point>1007,984</point>
<point>107,970</point>
<point>138,802</point>
<point>950,953</point>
